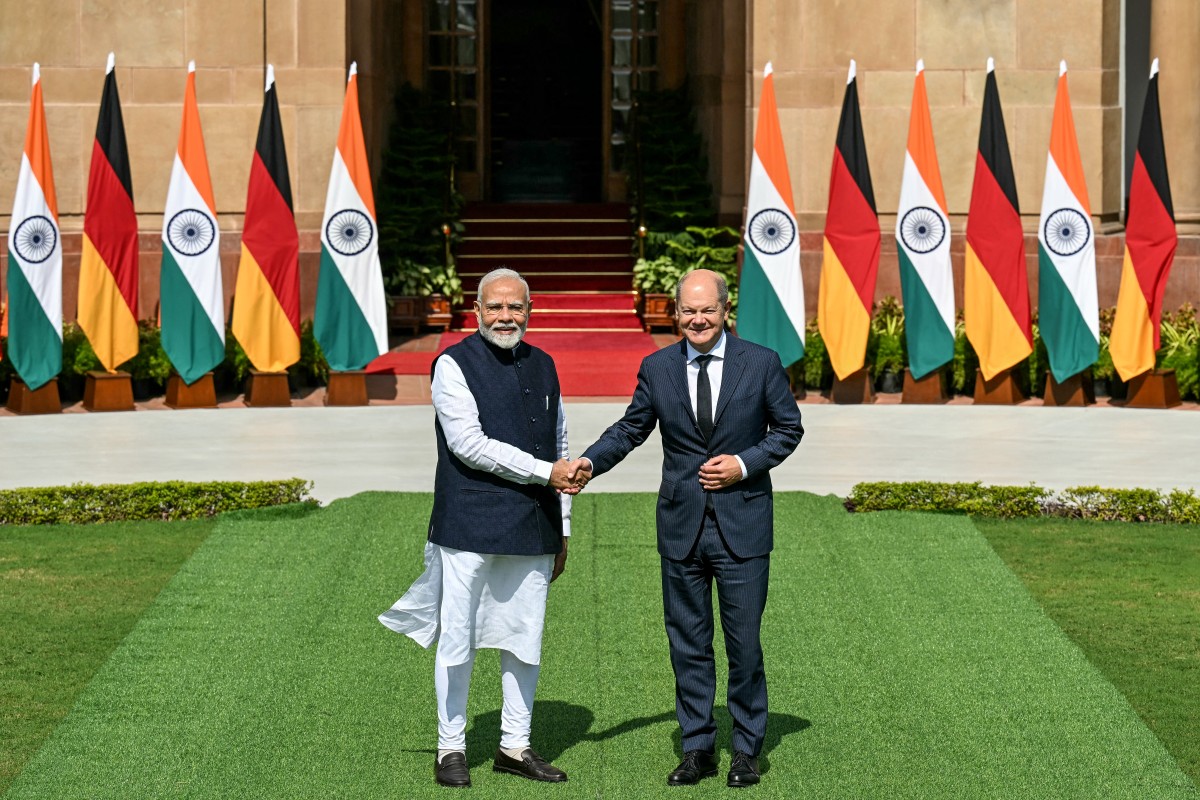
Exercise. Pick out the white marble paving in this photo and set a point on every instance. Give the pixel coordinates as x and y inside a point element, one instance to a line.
<point>345,451</point>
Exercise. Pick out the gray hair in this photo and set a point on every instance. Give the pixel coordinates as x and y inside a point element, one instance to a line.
<point>497,274</point>
<point>722,289</point>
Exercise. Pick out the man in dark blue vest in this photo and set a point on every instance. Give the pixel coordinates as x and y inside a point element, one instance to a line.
<point>499,528</point>
<point>727,417</point>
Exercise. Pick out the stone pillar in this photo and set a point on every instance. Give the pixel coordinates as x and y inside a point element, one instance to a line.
<point>1175,41</point>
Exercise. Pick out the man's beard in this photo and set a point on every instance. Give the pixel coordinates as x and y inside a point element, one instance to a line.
<point>504,342</point>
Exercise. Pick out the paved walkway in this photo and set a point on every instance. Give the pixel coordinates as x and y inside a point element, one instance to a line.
<point>345,451</point>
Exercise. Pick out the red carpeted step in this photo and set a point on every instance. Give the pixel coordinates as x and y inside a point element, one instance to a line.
<point>551,227</point>
<point>477,266</point>
<point>554,211</point>
<point>575,301</point>
<point>561,320</point>
<point>568,282</point>
<point>515,245</point>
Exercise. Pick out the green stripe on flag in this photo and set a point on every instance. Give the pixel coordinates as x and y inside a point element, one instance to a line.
<point>1069,340</point>
<point>930,343</point>
<point>762,318</point>
<point>189,338</point>
<point>34,346</point>
<point>339,324</point>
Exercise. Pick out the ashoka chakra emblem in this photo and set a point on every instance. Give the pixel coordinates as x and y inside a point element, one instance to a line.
<point>35,239</point>
<point>771,231</point>
<point>349,232</point>
<point>1066,232</point>
<point>191,232</point>
<point>922,229</point>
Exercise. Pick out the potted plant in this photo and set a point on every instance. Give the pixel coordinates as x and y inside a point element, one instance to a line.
<point>655,280</point>
<point>887,325</point>
<point>1180,337</point>
<point>150,368</point>
<point>1104,374</point>
<point>422,294</point>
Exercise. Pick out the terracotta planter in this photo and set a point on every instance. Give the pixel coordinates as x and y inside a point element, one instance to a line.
<point>657,311</point>
<point>409,312</point>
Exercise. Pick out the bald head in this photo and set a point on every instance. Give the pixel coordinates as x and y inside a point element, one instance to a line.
<point>702,280</point>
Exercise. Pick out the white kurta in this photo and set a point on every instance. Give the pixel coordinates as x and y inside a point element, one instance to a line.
<point>465,600</point>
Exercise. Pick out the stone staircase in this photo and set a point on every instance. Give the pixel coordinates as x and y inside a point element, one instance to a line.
<point>577,258</point>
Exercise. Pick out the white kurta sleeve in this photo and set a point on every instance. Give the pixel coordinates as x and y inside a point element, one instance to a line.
<point>458,414</point>
<point>564,499</point>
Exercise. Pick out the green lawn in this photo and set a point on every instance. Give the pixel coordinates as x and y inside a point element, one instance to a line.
<point>904,660</point>
<point>68,595</point>
<point>1129,596</point>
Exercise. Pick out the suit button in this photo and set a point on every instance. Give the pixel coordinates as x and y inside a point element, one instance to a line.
<point>537,447</point>
<point>533,419</point>
<point>526,391</point>
<point>518,365</point>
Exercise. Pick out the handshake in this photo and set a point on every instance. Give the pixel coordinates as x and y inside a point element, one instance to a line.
<point>569,477</point>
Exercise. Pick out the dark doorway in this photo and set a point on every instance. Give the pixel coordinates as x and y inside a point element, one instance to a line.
<point>546,62</point>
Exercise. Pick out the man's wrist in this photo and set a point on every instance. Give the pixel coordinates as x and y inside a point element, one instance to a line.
<point>542,471</point>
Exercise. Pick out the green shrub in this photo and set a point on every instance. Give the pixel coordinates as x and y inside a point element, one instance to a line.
<point>818,369</point>
<point>83,503</point>
<point>976,499</point>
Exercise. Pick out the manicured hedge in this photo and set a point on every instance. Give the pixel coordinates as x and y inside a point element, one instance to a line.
<point>170,500</point>
<point>1079,502</point>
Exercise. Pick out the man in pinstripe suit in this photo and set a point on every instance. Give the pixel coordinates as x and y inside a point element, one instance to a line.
<point>727,416</point>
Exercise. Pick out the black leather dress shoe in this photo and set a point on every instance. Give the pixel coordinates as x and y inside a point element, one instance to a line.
<point>743,771</point>
<point>452,771</point>
<point>530,765</point>
<point>696,764</point>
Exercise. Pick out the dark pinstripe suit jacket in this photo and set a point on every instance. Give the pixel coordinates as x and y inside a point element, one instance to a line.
<point>756,418</point>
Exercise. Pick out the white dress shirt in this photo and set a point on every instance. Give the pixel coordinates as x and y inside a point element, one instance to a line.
<point>458,413</point>
<point>716,368</point>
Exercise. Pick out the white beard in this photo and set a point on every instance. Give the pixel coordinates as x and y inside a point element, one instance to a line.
<point>503,342</point>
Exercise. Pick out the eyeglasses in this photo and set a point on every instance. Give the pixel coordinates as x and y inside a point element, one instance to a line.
<point>494,309</point>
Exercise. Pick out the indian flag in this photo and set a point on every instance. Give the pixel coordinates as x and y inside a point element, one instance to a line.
<point>1150,242</point>
<point>34,274</point>
<point>350,320</point>
<point>192,305</point>
<point>1069,310</point>
<point>850,262</point>
<point>266,300</point>
<point>771,293</point>
<point>108,269</point>
<point>923,245</point>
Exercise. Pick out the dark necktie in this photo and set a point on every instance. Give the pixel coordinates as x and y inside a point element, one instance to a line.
<point>704,398</point>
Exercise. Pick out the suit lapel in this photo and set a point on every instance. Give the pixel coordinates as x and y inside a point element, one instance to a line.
<point>678,373</point>
<point>731,373</point>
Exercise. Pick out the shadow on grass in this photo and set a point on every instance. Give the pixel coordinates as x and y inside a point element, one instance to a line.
<point>559,726</point>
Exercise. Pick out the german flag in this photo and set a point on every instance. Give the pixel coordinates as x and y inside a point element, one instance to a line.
<point>995,286</point>
<point>851,258</point>
<point>266,305</point>
<point>1150,242</point>
<point>108,270</point>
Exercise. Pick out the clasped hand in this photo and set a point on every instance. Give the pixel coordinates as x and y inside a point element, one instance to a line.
<point>719,472</point>
<point>569,477</point>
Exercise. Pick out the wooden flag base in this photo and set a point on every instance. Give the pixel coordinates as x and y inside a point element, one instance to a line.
<point>347,388</point>
<point>1156,388</point>
<point>1001,390</point>
<point>200,394</point>
<point>268,390</point>
<point>855,389</point>
<point>927,390</point>
<point>1077,390</point>
<point>43,400</point>
<point>108,391</point>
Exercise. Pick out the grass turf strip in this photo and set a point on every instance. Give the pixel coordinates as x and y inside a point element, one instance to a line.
<point>1129,595</point>
<point>68,595</point>
<point>903,660</point>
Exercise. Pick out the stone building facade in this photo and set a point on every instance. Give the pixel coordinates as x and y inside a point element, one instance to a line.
<point>719,47</point>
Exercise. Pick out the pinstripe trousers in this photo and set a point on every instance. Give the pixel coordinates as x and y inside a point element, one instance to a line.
<point>687,609</point>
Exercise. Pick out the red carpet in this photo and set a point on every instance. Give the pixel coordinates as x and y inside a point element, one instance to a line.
<point>589,364</point>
